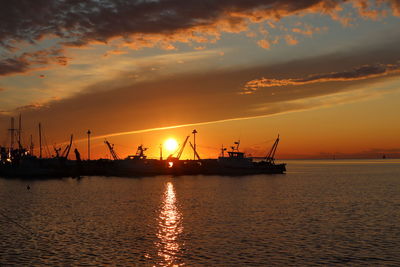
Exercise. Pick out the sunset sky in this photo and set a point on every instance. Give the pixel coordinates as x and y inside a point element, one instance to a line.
<point>323,74</point>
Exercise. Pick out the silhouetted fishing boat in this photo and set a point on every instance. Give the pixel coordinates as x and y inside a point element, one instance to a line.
<point>236,163</point>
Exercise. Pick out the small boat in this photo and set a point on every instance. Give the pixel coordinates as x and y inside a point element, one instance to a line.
<point>237,162</point>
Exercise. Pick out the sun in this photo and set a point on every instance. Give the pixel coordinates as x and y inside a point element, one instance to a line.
<point>171,144</point>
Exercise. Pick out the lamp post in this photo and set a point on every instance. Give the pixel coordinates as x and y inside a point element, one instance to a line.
<point>194,143</point>
<point>88,143</point>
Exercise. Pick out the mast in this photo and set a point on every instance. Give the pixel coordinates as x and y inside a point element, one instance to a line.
<point>12,130</point>
<point>88,144</point>
<point>40,140</point>
<point>160,151</point>
<point>31,147</point>
<point>19,132</point>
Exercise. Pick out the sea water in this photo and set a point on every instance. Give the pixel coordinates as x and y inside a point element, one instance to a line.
<point>318,213</point>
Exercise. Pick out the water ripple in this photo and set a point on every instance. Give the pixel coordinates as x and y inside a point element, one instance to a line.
<point>317,214</point>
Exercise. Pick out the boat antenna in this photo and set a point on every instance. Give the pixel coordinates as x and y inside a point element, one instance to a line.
<point>223,149</point>
<point>40,140</point>
<point>235,146</point>
<point>19,132</point>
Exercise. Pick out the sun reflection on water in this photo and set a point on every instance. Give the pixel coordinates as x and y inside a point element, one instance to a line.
<point>169,228</point>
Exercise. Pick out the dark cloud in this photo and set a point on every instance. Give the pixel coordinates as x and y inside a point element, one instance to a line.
<point>395,6</point>
<point>143,23</point>
<point>31,60</point>
<point>29,107</point>
<point>358,73</point>
<point>79,22</point>
<point>12,65</point>
<point>83,21</point>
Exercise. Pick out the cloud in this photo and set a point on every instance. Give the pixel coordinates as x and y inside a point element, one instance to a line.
<point>359,73</point>
<point>115,52</point>
<point>309,30</point>
<point>264,44</point>
<point>364,9</point>
<point>30,107</point>
<point>81,22</point>
<point>396,7</point>
<point>290,40</point>
<point>32,60</point>
<point>168,101</point>
<point>124,104</point>
<point>138,24</point>
<point>251,34</point>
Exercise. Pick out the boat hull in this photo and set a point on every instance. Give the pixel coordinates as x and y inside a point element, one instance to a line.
<point>134,168</point>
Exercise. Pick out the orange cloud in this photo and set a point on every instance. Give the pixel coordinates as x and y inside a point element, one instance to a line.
<point>251,34</point>
<point>290,40</point>
<point>115,52</point>
<point>264,44</point>
<point>309,30</point>
<point>364,8</point>
<point>360,73</point>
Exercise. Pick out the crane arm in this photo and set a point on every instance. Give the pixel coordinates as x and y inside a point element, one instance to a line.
<point>67,148</point>
<point>182,148</point>
<point>112,151</point>
<point>195,152</point>
<point>271,155</point>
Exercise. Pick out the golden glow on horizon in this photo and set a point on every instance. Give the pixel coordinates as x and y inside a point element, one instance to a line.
<point>301,134</point>
<point>171,145</point>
